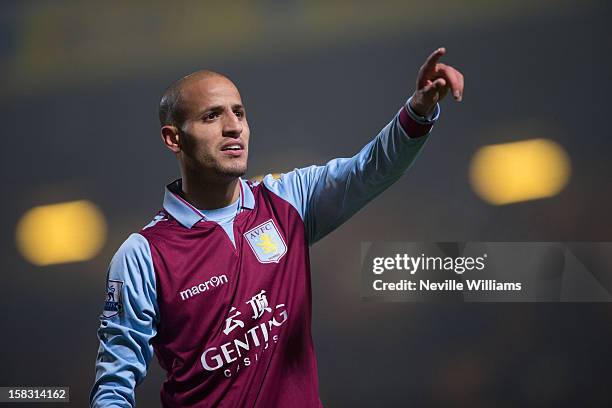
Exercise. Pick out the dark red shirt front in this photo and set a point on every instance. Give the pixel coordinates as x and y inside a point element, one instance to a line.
<point>253,312</point>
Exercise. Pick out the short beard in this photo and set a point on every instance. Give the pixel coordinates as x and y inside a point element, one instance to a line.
<point>229,171</point>
<point>213,167</point>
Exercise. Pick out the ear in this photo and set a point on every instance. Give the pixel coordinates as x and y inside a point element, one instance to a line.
<point>170,137</point>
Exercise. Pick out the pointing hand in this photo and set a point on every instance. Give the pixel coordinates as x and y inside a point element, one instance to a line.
<point>433,83</point>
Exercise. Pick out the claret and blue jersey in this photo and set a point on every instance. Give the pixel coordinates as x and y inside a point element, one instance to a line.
<point>223,297</point>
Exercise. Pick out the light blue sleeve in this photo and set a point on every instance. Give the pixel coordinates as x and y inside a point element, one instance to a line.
<point>127,325</point>
<point>326,196</point>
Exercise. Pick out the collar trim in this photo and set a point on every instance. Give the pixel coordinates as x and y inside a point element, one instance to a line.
<point>187,214</point>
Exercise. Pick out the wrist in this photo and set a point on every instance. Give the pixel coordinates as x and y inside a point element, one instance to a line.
<point>419,109</point>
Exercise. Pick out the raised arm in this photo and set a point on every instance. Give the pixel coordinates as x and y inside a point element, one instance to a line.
<point>326,196</point>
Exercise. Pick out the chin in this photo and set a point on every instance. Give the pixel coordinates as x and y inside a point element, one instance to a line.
<point>231,171</point>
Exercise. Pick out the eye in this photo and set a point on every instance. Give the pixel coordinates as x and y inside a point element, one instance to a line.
<point>211,116</point>
<point>239,113</point>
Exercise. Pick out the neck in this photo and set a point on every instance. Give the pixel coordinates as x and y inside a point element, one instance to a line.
<point>206,195</point>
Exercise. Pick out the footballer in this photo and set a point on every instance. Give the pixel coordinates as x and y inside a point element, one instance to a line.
<point>217,285</point>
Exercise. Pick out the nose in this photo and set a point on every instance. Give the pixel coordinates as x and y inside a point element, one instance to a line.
<point>232,126</point>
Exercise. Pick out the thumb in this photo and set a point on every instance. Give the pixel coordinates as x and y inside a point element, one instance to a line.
<point>435,86</point>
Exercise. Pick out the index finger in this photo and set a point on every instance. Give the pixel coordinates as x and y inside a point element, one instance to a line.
<point>433,59</point>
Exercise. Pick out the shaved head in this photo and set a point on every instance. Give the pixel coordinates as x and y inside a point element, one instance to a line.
<point>171,108</point>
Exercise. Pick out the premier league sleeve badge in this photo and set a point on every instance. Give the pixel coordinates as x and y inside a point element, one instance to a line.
<point>112,303</point>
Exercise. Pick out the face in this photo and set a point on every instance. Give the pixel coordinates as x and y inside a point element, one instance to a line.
<point>214,138</point>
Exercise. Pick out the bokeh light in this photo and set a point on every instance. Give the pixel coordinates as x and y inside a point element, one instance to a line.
<point>519,171</point>
<point>59,233</point>
<point>260,177</point>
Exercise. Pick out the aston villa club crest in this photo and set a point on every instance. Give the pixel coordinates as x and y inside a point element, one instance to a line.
<point>266,242</point>
<point>112,303</point>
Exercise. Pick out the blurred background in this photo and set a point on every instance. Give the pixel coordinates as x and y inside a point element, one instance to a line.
<point>84,166</point>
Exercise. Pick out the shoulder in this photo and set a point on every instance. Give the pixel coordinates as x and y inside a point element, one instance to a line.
<point>294,186</point>
<point>134,251</point>
<point>134,244</point>
<point>160,218</point>
<point>132,265</point>
<point>293,182</point>
<point>160,228</point>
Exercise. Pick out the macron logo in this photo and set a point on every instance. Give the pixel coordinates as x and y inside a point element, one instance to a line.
<point>203,287</point>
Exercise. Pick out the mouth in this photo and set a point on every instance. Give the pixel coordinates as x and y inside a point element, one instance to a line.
<point>234,149</point>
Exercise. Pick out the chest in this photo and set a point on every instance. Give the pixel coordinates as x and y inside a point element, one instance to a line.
<point>207,287</point>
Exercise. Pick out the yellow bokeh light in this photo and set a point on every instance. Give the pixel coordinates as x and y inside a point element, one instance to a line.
<point>519,171</point>
<point>59,233</point>
<point>261,177</point>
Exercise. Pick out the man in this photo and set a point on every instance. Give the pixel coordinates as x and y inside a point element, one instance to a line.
<point>218,283</point>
